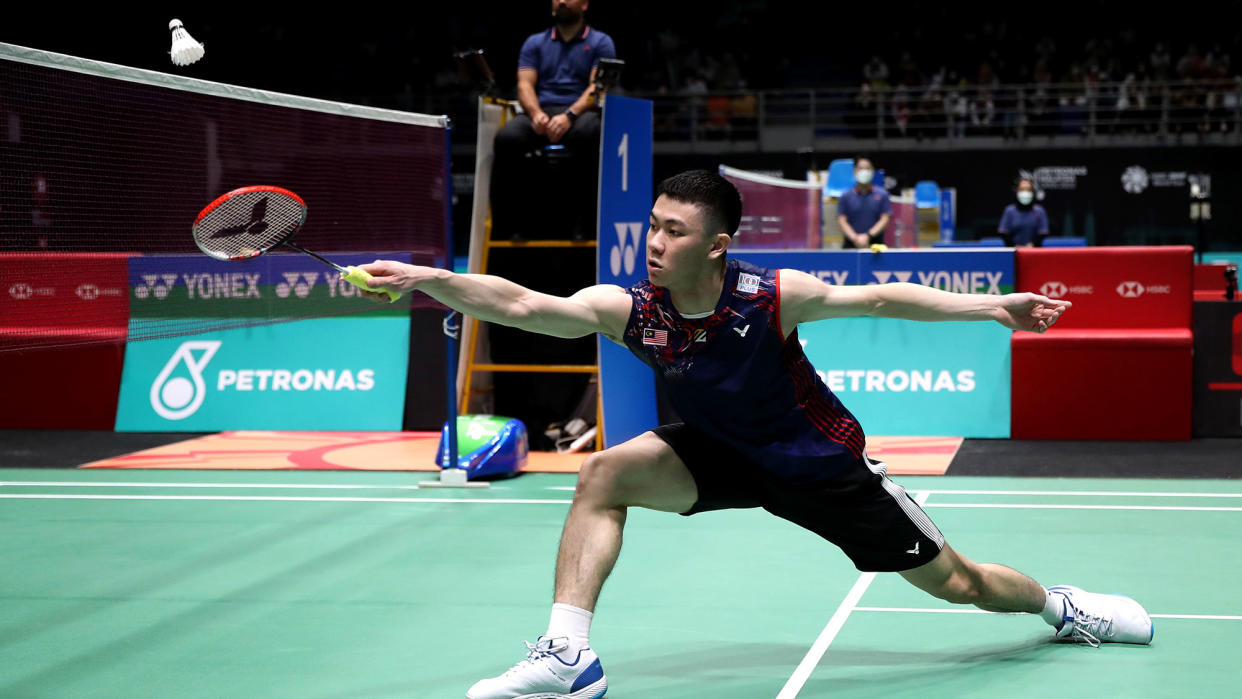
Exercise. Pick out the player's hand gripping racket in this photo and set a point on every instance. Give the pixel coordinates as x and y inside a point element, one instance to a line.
<point>250,221</point>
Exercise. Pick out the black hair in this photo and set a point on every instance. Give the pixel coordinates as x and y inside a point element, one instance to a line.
<point>717,197</point>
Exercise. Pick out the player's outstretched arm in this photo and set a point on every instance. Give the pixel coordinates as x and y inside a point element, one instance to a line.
<point>805,298</point>
<point>603,309</point>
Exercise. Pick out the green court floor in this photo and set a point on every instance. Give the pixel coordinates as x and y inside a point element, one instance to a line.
<point>347,584</point>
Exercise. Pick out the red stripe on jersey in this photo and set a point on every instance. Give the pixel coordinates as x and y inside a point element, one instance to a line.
<point>818,410</point>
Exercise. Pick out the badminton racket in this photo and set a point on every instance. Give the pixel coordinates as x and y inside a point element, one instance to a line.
<point>250,221</point>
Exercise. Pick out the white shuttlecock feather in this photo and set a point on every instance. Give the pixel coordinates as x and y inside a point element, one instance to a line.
<point>185,50</point>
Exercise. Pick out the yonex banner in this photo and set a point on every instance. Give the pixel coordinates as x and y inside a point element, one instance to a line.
<point>900,377</point>
<point>179,286</point>
<point>907,378</point>
<point>832,266</point>
<point>963,271</point>
<point>302,375</point>
<point>967,271</point>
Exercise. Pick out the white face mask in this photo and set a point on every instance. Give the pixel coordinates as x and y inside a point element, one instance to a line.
<point>1026,197</point>
<point>864,176</point>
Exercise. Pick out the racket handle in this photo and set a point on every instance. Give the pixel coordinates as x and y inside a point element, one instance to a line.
<point>359,278</point>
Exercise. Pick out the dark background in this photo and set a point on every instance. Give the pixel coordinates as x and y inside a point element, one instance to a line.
<point>402,58</point>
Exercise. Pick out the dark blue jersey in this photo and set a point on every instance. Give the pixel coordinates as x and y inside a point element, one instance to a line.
<point>733,376</point>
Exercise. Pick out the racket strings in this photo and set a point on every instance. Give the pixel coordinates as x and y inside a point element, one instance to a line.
<point>248,223</point>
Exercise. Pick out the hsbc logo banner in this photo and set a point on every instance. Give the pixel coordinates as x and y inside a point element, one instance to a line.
<point>1106,284</point>
<point>1061,290</point>
<point>1133,290</point>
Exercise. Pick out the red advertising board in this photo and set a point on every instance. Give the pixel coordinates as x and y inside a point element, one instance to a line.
<point>1113,287</point>
<point>63,322</point>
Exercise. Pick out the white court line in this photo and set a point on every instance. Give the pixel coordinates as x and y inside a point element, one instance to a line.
<point>569,488</point>
<point>277,498</point>
<point>1072,493</point>
<point>929,610</point>
<point>963,505</point>
<point>521,501</point>
<point>816,653</point>
<point>140,484</point>
<point>1086,493</point>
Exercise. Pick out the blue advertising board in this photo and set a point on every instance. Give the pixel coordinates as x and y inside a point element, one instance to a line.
<point>957,270</point>
<point>627,387</point>
<point>960,270</point>
<point>297,375</point>
<point>900,377</point>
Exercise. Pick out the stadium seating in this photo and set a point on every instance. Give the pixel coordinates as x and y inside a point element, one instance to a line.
<point>840,177</point>
<point>1116,366</point>
<point>927,195</point>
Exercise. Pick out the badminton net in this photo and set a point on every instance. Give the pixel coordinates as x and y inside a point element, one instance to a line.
<point>106,167</point>
<point>778,213</point>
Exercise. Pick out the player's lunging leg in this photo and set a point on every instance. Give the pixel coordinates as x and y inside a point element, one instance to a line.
<point>954,578</point>
<point>1073,612</point>
<point>643,472</point>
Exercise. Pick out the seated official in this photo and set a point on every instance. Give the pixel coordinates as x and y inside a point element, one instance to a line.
<point>556,70</point>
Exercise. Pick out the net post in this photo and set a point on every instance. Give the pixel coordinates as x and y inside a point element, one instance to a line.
<point>451,473</point>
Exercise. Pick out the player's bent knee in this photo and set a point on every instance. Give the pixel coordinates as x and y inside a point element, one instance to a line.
<point>599,479</point>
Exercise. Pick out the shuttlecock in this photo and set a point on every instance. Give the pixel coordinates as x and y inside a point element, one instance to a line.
<point>185,50</point>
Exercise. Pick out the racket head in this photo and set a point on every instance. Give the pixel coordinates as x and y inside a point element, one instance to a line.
<point>248,221</point>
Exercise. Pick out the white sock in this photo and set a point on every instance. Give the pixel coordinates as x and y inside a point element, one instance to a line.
<point>570,622</point>
<point>1054,608</point>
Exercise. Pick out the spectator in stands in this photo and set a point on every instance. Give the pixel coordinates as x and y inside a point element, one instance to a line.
<point>863,210</point>
<point>1190,64</point>
<point>1024,224</point>
<point>875,73</point>
<point>982,113</point>
<point>860,117</point>
<point>1160,62</point>
<point>556,70</point>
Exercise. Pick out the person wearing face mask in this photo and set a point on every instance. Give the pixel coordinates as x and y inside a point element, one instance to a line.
<point>864,210</point>
<point>1024,224</point>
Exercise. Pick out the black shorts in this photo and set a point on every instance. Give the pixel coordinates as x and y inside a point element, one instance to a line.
<point>868,516</point>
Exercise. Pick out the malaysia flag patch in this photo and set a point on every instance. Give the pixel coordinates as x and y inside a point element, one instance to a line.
<point>658,338</point>
<point>747,283</point>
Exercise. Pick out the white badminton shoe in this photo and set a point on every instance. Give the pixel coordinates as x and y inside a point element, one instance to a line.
<point>1095,618</point>
<point>547,673</point>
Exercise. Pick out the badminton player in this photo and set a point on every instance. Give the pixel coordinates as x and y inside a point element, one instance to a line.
<point>760,428</point>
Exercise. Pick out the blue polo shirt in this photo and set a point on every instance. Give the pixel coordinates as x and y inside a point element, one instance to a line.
<point>1023,223</point>
<point>863,210</point>
<point>564,67</point>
